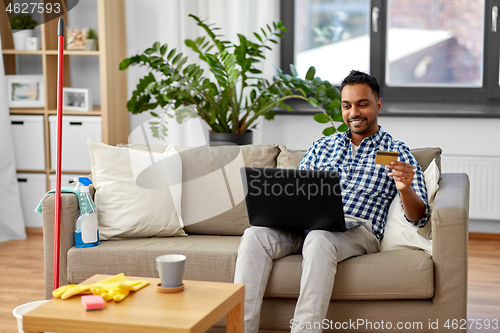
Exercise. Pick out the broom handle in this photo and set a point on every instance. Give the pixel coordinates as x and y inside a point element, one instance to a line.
<point>57,226</point>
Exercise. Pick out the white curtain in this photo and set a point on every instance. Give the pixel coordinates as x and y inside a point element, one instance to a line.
<point>233,17</point>
<point>11,216</point>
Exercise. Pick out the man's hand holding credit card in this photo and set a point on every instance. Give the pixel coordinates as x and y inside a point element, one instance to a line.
<point>402,172</point>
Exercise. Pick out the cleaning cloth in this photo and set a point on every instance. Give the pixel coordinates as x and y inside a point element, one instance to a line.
<point>115,288</point>
<point>64,189</point>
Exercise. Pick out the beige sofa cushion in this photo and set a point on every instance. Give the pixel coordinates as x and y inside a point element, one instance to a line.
<point>405,274</point>
<point>399,234</point>
<point>212,197</point>
<point>289,159</point>
<point>140,146</point>
<point>117,173</point>
<point>425,156</point>
<point>209,258</point>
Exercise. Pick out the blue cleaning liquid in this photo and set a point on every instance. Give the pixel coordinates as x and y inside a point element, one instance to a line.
<point>79,242</point>
<point>87,226</point>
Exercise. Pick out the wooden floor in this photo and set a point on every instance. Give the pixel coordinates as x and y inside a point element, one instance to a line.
<point>484,282</point>
<point>21,279</point>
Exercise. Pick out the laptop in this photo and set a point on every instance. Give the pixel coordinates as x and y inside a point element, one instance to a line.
<point>293,199</point>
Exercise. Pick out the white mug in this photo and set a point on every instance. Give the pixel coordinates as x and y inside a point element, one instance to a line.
<point>171,269</point>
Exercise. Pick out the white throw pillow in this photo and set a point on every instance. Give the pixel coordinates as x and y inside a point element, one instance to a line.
<point>138,193</point>
<point>400,234</point>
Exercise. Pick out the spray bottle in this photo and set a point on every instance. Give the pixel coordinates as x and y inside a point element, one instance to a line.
<point>87,227</point>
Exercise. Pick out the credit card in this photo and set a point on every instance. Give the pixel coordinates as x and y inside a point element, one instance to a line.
<point>386,157</point>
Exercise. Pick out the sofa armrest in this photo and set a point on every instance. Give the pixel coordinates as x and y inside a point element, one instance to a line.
<point>69,213</point>
<point>450,230</point>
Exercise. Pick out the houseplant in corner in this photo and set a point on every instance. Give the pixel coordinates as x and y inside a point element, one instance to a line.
<point>22,26</point>
<point>232,102</point>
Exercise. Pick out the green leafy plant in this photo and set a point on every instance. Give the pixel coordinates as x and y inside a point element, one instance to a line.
<point>22,22</point>
<point>237,97</point>
<point>92,34</point>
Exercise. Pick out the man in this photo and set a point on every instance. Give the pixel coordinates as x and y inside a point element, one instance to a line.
<point>367,191</point>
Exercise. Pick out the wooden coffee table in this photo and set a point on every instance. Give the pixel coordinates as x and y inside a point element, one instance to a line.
<point>195,309</point>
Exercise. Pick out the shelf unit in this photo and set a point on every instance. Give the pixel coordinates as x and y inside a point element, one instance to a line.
<point>113,82</point>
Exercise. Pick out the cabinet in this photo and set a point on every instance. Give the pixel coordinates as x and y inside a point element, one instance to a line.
<point>75,129</point>
<point>28,137</point>
<point>112,87</point>
<point>30,185</point>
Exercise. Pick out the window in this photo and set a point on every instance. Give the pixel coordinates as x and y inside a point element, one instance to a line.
<point>421,51</point>
<point>432,43</point>
<point>324,29</point>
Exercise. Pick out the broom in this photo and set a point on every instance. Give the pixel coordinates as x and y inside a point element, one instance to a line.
<point>57,222</point>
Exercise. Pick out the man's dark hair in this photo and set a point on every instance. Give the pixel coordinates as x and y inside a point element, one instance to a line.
<point>356,77</point>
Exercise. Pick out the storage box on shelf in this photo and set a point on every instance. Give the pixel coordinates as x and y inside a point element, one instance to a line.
<point>33,150</point>
<point>76,130</point>
<point>31,186</point>
<point>28,137</point>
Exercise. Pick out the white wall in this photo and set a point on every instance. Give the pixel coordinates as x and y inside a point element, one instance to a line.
<point>142,22</point>
<point>456,136</point>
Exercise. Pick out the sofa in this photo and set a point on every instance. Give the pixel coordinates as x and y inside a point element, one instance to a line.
<point>399,290</point>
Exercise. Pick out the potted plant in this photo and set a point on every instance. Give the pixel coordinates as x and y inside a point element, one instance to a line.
<point>91,41</point>
<point>22,26</point>
<point>232,102</point>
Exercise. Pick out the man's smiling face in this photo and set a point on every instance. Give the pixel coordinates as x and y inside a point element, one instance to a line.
<point>360,110</point>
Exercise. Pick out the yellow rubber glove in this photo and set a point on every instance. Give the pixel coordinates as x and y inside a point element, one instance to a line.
<point>116,293</point>
<point>114,288</point>
<point>117,288</point>
<point>66,292</point>
<point>61,290</point>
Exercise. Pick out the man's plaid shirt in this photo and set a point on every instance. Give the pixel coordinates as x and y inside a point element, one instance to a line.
<point>367,191</point>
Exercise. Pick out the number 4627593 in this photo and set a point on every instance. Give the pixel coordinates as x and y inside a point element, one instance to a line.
<point>32,7</point>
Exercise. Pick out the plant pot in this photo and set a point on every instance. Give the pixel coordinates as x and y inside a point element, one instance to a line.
<point>91,45</point>
<point>19,37</point>
<point>227,139</point>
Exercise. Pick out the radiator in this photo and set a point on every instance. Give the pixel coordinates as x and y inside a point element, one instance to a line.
<point>484,176</point>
